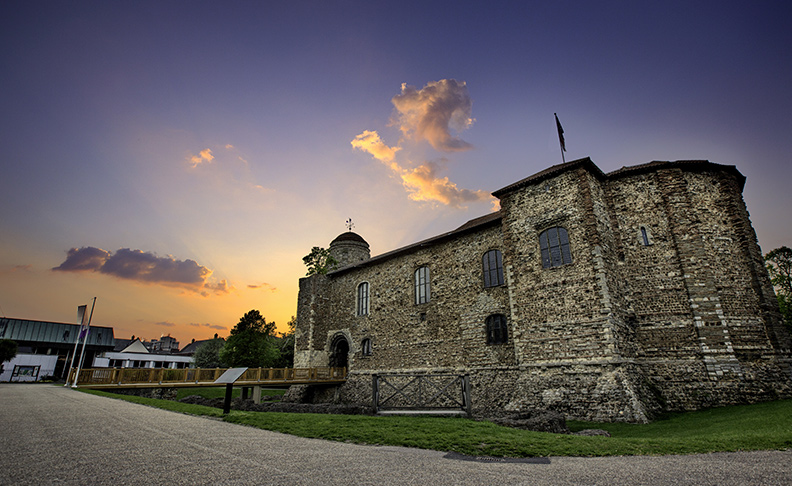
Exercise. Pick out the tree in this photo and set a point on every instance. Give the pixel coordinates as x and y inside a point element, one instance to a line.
<point>208,354</point>
<point>8,350</point>
<point>319,261</point>
<point>286,346</point>
<point>251,343</point>
<point>779,265</point>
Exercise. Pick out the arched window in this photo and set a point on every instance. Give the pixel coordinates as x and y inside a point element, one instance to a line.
<point>365,347</point>
<point>496,329</point>
<point>554,243</point>
<point>363,299</point>
<point>492,266</point>
<point>422,290</point>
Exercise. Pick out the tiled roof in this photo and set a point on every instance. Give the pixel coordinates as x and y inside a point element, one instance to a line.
<point>193,346</point>
<point>472,225</point>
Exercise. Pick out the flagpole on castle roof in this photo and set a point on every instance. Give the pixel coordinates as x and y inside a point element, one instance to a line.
<point>560,138</point>
<point>82,353</point>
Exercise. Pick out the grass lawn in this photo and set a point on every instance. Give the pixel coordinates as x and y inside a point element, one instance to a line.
<point>219,392</point>
<point>748,427</point>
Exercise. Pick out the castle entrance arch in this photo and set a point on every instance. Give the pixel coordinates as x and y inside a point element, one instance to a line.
<point>339,352</point>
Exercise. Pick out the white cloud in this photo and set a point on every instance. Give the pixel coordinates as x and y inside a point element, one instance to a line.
<point>430,113</point>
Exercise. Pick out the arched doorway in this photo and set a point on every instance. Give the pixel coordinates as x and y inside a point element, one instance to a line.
<point>339,352</point>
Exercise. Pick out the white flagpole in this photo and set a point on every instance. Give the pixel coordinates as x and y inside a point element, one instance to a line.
<point>81,315</point>
<point>85,341</point>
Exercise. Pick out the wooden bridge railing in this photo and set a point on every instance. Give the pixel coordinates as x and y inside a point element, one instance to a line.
<point>118,377</point>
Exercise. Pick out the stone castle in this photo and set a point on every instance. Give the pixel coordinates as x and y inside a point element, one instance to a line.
<point>607,297</point>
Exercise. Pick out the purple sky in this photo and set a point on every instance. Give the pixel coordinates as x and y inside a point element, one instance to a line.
<point>177,159</point>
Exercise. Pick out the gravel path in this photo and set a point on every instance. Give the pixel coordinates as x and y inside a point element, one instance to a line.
<point>55,435</point>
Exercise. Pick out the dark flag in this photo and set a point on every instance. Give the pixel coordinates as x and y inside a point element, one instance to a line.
<point>560,134</point>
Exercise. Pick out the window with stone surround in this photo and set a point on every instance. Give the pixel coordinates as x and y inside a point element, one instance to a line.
<point>554,244</point>
<point>422,290</point>
<point>492,266</point>
<point>363,299</point>
<point>496,329</point>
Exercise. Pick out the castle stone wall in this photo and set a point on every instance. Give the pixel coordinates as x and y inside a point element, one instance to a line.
<point>665,306</point>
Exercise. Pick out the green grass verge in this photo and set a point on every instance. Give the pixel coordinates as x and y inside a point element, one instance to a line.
<point>164,404</point>
<point>751,427</point>
<point>219,392</point>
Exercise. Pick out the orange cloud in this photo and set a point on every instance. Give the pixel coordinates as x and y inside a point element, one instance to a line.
<point>218,288</point>
<point>264,286</point>
<point>204,155</point>
<point>370,141</point>
<point>424,184</point>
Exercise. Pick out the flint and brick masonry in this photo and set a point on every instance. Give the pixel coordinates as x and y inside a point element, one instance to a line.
<point>607,297</point>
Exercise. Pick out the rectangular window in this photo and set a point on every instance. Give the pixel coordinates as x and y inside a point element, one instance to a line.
<point>493,268</point>
<point>496,329</point>
<point>422,290</point>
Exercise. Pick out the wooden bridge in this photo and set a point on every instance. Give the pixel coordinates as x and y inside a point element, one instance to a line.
<point>104,378</point>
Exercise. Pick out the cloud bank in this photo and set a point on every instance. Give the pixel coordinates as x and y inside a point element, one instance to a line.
<point>145,267</point>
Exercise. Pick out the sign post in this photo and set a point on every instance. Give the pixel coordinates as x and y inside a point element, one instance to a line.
<point>228,378</point>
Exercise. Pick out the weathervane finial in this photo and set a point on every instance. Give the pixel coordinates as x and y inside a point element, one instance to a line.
<point>349,224</point>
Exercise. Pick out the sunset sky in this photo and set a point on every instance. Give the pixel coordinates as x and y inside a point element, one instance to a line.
<point>177,159</point>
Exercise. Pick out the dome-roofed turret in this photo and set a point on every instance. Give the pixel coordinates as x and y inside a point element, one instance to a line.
<point>349,236</point>
<point>349,248</point>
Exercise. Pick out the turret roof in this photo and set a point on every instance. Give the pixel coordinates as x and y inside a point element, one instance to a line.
<point>349,236</point>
